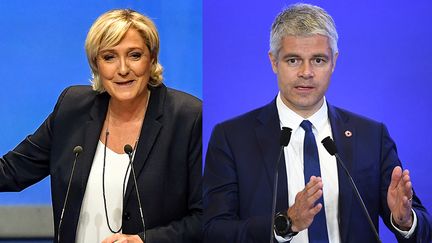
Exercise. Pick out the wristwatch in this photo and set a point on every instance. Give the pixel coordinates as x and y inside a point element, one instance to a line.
<point>282,225</point>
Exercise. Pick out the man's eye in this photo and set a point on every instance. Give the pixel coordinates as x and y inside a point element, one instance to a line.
<point>292,61</point>
<point>320,60</point>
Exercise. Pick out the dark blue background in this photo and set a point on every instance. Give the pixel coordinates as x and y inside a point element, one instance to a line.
<point>384,69</point>
<point>42,52</point>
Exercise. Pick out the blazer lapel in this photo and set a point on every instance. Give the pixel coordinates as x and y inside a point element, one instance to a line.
<point>89,140</point>
<point>149,133</point>
<point>268,136</point>
<point>343,135</point>
<point>92,133</point>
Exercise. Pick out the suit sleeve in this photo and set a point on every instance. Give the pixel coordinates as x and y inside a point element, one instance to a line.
<point>189,228</point>
<point>29,162</point>
<point>221,198</point>
<point>390,160</point>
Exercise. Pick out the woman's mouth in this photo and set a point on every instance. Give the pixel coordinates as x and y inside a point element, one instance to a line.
<point>124,83</point>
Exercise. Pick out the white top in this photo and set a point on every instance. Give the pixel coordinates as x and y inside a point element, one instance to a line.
<point>92,224</point>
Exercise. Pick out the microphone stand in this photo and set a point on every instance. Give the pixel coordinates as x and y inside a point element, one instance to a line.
<point>284,140</point>
<point>77,150</point>
<point>332,150</point>
<point>128,149</point>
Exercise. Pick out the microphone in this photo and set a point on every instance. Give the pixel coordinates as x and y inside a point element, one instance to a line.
<point>129,151</point>
<point>77,150</point>
<point>330,146</point>
<point>284,139</point>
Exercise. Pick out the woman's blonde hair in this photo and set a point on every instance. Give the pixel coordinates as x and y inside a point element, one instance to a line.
<point>109,29</point>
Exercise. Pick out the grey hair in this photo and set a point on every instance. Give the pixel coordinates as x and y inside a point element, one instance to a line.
<point>302,20</point>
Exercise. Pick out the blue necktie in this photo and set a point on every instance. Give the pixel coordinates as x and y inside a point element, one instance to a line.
<point>317,231</point>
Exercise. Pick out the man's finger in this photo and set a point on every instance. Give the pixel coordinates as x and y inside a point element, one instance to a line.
<point>316,209</point>
<point>313,186</point>
<point>314,197</point>
<point>408,189</point>
<point>395,177</point>
<point>312,181</point>
<point>121,239</point>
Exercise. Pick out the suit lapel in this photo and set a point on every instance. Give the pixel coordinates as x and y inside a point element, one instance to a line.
<point>149,133</point>
<point>268,136</point>
<point>343,134</point>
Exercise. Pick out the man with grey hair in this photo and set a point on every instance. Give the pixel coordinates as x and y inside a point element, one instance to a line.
<point>315,201</point>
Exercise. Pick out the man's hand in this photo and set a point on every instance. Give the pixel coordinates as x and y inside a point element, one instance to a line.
<point>121,238</point>
<point>303,211</point>
<point>399,198</point>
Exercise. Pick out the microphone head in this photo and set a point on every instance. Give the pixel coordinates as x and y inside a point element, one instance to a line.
<point>329,145</point>
<point>128,149</point>
<point>285,136</point>
<point>77,150</point>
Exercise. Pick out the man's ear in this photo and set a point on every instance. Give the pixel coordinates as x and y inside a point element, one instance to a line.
<point>335,57</point>
<point>273,61</point>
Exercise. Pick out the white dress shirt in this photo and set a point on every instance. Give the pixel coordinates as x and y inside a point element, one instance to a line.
<point>294,166</point>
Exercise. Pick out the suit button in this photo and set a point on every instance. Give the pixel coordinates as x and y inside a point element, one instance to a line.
<point>126,216</point>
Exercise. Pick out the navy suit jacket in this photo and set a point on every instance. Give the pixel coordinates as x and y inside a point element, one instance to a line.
<point>168,163</point>
<point>239,171</point>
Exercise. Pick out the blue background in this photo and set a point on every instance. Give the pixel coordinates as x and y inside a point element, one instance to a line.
<point>42,52</point>
<point>384,69</point>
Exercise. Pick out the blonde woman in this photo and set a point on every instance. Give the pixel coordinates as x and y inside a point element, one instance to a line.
<point>126,108</point>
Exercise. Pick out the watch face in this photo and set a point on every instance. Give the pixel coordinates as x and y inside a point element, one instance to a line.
<point>281,224</point>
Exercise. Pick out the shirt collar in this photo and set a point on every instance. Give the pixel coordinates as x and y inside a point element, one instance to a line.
<point>288,118</point>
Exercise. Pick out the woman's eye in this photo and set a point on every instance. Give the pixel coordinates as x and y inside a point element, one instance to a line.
<point>108,57</point>
<point>136,55</point>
